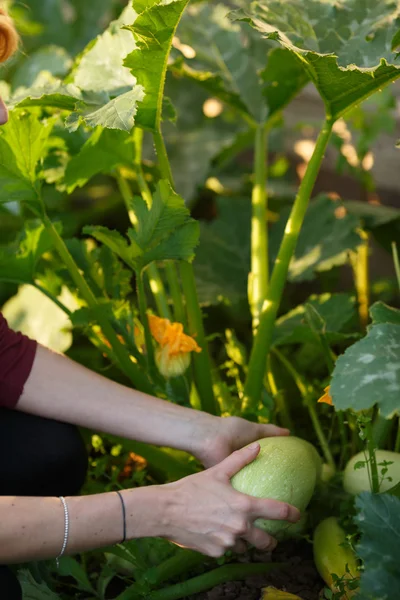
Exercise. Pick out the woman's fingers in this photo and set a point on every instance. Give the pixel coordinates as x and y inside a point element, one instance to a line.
<point>260,539</point>
<point>271,431</point>
<point>238,460</point>
<point>3,113</point>
<point>267,508</point>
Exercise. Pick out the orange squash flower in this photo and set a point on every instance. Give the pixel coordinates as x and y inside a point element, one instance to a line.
<point>326,397</point>
<point>173,354</point>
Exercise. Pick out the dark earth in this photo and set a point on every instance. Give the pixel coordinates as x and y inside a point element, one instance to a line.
<point>299,576</point>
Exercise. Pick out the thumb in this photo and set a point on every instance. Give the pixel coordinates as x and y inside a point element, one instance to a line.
<point>238,460</point>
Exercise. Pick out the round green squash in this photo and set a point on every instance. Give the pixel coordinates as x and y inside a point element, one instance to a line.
<point>356,481</point>
<point>286,469</point>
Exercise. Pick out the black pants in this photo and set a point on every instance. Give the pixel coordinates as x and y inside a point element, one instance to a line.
<point>38,457</point>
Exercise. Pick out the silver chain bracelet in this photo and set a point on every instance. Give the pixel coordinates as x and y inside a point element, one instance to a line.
<point>66,530</point>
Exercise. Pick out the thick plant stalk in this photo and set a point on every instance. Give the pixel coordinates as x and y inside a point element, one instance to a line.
<point>281,404</point>
<point>129,368</point>
<point>373,467</point>
<point>258,279</point>
<point>360,264</point>
<point>201,583</point>
<point>143,317</point>
<point>201,361</point>
<point>263,338</point>
<point>179,563</point>
<point>155,280</point>
<point>171,272</point>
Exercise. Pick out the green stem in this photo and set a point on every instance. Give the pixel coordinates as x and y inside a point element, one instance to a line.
<point>155,280</point>
<point>139,380</point>
<point>360,265</point>
<point>141,294</point>
<point>380,430</point>
<point>142,183</point>
<point>372,458</point>
<point>162,156</point>
<point>396,261</point>
<point>201,583</point>
<point>307,396</point>
<point>263,338</point>
<point>201,360</point>
<point>281,404</point>
<point>176,293</point>
<point>258,281</point>
<point>171,272</point>
<point>181,562</point>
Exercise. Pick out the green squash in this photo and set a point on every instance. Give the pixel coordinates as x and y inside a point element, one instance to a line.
<point>356,481</point>
<point>286,469</point>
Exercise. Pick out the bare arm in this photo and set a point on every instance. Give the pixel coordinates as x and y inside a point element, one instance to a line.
<point>59,388</point>
<point>33,528</point>
<point>201,511</point>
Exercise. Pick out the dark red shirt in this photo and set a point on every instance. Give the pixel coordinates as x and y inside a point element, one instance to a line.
<point>17,353</point>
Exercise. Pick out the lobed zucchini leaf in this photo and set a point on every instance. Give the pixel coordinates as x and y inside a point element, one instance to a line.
<point>229,61</point>
<point>165,231</point>
<point>18,262</point>
<point>378,519</point>
<point>22,148</point>
<point>100,90</point>
<point>368,373</point>
<point>346,47</point>
<point>154,30</point>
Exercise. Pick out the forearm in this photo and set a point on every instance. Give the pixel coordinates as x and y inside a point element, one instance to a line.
<point>33,528</point>
<point>58,388</point>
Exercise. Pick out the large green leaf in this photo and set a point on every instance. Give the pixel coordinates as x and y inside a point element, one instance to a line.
<point>18,262</point>
<point>165,231</point>
<point>100,91</point>
<point>22,147</point>
<point>337,310</point>
<point>154,30</point>
<point>345,46</point>
<point>382,313</point>
<point>325,238</point>
<point>53,59</point>
<point>35,591</point>
<point>101,153</point>
<point>368,373</point>
<point>222,260</point>
<point>378,519</point>
<point>231,63</point>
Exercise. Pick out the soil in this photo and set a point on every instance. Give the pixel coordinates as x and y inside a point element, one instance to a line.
<point>299,576</point>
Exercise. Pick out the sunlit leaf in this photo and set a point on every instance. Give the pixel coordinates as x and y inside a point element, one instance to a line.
<point>229,61</point>
<point>327,234</point>
<point>18,261</point>
<point>368,373</point>
<point>336,310</point>
<point>101,153</point>
<point>345,47</point>
<point>22,148</point>
<point>378,519</point>
<point>153,30</point>
<point>165,231</point>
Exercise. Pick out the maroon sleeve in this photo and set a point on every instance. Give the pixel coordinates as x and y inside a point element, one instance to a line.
<point>17,353</point>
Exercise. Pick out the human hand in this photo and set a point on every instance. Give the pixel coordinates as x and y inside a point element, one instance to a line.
<point>222,436</point>
<point>203,511</point>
